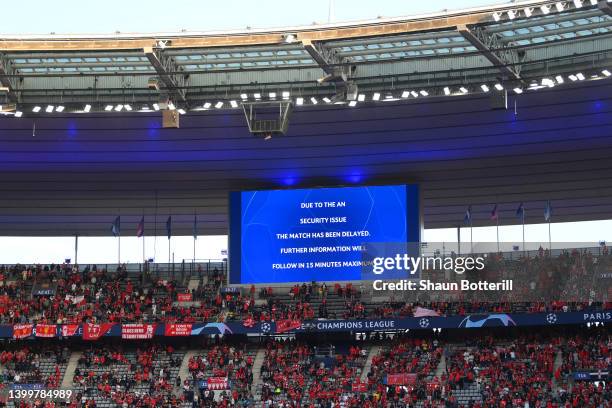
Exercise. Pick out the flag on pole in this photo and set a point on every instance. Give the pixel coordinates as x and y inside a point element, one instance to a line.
<point>494,213</point>
<point>140,228</point>
<point>520,212</point>
<point>169,226</point>
<point>547,211</point>
<point>195,226</point>
<point>116,227</point>
<point>468,215</point>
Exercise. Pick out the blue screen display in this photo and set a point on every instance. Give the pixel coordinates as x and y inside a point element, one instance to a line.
<point>281,236</point>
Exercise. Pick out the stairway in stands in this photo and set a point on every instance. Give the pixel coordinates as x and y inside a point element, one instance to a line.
<point>73,362</point>
<point>257,363</point>
<point>374,350</point>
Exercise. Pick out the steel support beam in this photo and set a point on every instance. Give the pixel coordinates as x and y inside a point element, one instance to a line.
<point>493,48</point>
<point>8,80</point>
<point>605,7</point>
<point>169,73</point>
<point>338,70</point>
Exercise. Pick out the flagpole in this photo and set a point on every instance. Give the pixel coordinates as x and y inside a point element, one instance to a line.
<point>143,239</point>
<point>497,230</point>
<point>549,239</point>
<point>471,238</point>
<point>523,232</point>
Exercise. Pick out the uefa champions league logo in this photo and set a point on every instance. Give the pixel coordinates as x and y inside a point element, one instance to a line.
<point>265,327</point>
<point>551,318</point>
<point>424,322</point>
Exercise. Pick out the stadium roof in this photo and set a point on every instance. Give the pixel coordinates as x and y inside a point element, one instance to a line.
<point>514,43</point>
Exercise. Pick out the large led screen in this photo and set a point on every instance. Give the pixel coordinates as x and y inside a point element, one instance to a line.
<point>316,234</point>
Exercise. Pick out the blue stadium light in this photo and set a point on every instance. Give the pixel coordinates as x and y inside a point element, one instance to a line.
<point>414,94</point>
<point>352,104</point>
<point>49,108</point>
<point>361,97</point>
<point>299,101</point>
<point>484,87</point>
<point>518,90</point>
<point>580,76</point>
<point>606,72</point>
<point>314,100</point>
<point>119,107</point>
<point>447,91</point>
<point>127,107</point>
<point>405,94</point>
<point>286,94</point>
<point>156,106</point>
<point>181,111</point>
<point>424,92</point>
<point>257,95</point>
<point>463,90</point>
<point>234,104</point>
<point>376,96</point>
<point>207,105</point>
<point>326,100</point>
<point>219,105</point>
<point>87,108</point>
<point>272,95</point>
<point>18,114</point>
<point>108,108</point>
<point>244,96</point>
<point>60,108</point>
<point>499,87</point>
<point>559,79</point>
<point>573,78</point>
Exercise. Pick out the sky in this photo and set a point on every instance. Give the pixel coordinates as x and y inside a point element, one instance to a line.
<point>141,16</point>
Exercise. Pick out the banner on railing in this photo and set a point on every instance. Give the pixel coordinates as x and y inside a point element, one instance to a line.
<point>69,330</point>
<point>215,383</point>
<point>472,321</point>
<point>137,331</point>
<point>46,330</point>
<point>177,329</point>
<point>184,297</point>
<point>401,379</point>
<point>95,331</point>
<point>21,331</point>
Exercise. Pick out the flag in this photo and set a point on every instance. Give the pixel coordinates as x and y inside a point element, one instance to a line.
<point>494,213</point>
<point>116,227</point>
<point>169,226</point>
<point>140,228</point>
<point>286,325</point>
<point>468,215</point>
<point>195,226</point>
<point>547,211</point>
<point>95,331</point>
<point>423,312</point>
<point>520,212</point>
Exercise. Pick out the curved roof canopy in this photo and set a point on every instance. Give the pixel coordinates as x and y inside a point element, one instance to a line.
<point>513,44</point>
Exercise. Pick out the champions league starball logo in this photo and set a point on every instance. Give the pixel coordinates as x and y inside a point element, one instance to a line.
<point>424,323</point>
<point>488,321</point>
<point>265,327</point>
<point>551,318</point>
